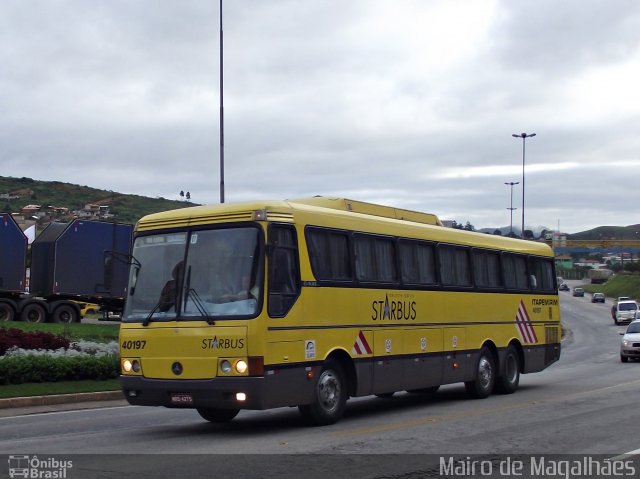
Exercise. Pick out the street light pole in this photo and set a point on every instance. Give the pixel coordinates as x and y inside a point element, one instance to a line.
<point>511,208</point>
<point>524,136</point>
<point>221,114</point>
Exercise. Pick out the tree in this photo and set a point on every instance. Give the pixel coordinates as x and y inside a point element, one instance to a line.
<point>181,194</point>
<point>497,232</point>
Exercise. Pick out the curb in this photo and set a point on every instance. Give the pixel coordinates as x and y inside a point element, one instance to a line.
<point>60,399</point>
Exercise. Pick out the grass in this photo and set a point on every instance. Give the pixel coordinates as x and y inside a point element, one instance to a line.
<point>99,333</point>
<point>619,285</point>
<point>62,387</point>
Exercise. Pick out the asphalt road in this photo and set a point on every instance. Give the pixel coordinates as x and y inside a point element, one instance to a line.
<point>584,404</point>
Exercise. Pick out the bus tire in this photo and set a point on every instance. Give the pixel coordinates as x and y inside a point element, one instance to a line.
<point>7,312</point>
<point>485,376</point>
<point>33,313</point>
<point>329,396</point>
<point>508,382</point>
<point>214,414</point>
<point>65,313</point>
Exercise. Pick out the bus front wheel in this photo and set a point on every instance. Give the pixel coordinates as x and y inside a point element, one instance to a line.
<point>214,414</point>
<point>485,376</point>
<point>329,398</point>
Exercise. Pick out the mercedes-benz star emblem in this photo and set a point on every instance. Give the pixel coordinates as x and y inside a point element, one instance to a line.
<point>176,368</point>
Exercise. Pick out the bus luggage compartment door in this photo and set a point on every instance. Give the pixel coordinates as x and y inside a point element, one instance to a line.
<point>387,368</point>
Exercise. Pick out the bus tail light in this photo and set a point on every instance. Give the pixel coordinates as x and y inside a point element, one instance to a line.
<point>256,366</point>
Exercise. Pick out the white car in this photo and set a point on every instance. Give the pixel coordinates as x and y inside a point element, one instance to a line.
<point>624,311</point>
<point>630,345</point>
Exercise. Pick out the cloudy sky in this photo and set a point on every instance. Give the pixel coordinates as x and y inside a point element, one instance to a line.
<point>410,103</point>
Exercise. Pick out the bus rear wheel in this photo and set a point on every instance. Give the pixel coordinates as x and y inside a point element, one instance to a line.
<point>214,414</point>
<point>329,398</point>
<point>508,382</point>
<point>485,376</point>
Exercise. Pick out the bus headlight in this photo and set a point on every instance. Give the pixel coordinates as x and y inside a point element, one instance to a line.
<point>225,366</point>
<point>241,366</point>
<point>131,366</point>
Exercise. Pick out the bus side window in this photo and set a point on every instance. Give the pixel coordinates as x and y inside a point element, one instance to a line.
<point>284,271</point>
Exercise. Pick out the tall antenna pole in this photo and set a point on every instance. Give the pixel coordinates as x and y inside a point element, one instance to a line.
<point>524,137</point>
<point>221,112</point>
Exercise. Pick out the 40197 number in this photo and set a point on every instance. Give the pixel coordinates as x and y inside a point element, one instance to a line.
<point>137,344</point>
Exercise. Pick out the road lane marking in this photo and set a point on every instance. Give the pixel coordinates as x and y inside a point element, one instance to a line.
<point>477,412</point>
<point>66,411</point>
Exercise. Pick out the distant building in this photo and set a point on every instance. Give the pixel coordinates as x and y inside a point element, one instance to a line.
<point>93,212</point>
<point>564,261</point>
<point>9,196</point>
<point>559,240</point>
<point>33,211</point>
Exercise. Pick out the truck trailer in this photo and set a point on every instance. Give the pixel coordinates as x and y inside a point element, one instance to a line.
<point>79,261</point>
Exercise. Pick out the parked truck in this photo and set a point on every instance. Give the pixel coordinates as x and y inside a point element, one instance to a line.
<point>79,261</point>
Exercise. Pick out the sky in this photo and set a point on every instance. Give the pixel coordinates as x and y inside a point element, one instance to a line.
<point>407,103</point>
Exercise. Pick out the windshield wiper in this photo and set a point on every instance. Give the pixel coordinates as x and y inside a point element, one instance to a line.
<point>196,300</point>
<point>195,297</point>
<point>147,320</point>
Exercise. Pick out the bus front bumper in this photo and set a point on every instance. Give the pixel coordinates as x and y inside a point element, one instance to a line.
<point>226,393</point>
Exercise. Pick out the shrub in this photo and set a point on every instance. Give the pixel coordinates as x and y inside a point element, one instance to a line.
<point>38,369</point>
<point>10,338</point>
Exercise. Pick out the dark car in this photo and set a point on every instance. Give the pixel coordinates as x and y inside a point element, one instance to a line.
<point>578,291</point>
<point>597,298</point>
<point>563,287</point>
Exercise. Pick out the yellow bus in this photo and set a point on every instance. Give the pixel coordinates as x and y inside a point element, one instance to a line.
<point>309,302</point>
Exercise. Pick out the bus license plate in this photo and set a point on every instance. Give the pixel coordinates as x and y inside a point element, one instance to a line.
<point>182,399</point>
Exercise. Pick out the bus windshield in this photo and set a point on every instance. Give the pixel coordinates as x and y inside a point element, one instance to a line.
<point>204,274</point>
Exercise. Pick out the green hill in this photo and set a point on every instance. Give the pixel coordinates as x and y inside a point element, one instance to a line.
<point>126,208</point>
<point>608,232</point>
